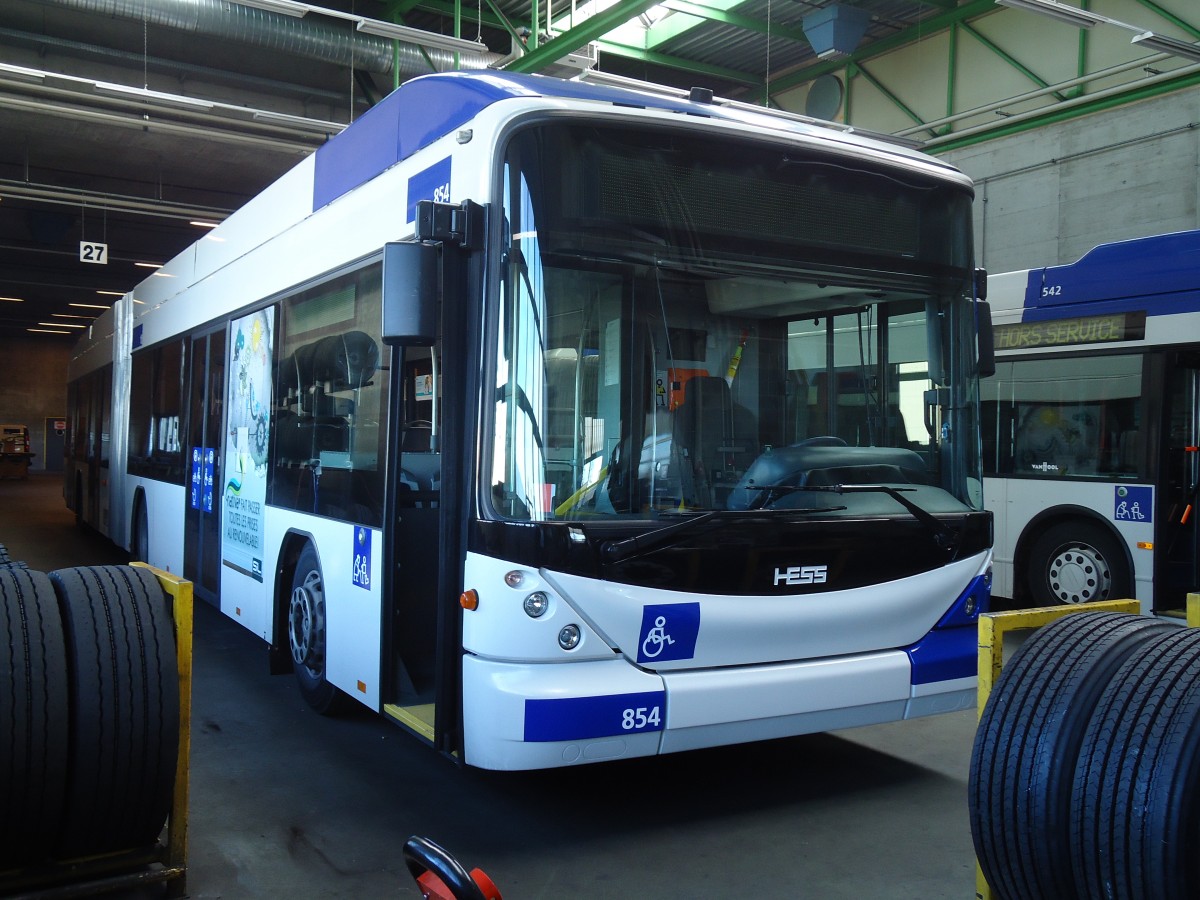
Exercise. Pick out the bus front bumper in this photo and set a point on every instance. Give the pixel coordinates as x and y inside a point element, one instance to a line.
<point>545,715</point>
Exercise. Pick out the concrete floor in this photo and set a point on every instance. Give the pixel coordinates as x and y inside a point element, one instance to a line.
<point>285,803</point>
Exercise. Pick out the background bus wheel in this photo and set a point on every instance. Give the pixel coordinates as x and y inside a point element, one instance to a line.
<point>123,684</point>
<point>307,635</point>
<point>141,532</point>
<point>1029,737</point>
<point>33,710</point>
<point>1077,562</point>
<point>1136,814</point>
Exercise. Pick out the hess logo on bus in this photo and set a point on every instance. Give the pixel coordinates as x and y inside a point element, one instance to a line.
<point>798,575</point>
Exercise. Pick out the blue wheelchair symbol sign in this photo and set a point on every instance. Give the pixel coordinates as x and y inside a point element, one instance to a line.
<point>1133,504</point>
<point>669,631</point>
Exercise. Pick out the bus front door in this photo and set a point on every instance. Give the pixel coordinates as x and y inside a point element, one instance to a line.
<point>416,549</point>
<point>202,514</point>
<point>1179,507</point>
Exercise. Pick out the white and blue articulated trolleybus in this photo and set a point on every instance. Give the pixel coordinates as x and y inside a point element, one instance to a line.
<point>561,423</point>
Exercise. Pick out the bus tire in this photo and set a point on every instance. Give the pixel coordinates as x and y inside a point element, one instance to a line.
<point>33,710</point>
<point>123,683</point>
<point>1077,562</point>
<point>1136,812</point>
<point>306,629</point>
<point>140,537</point>
<point>1029,737</point>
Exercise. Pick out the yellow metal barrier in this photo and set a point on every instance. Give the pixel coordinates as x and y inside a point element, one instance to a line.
<point>174,856</point>
<point>993,627</point>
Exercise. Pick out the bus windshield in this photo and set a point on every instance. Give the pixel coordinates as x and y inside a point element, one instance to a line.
<point>686,324</point>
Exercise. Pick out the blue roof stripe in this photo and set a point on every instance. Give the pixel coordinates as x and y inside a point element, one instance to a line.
<point>424,109</point>
<point>1159,274</point>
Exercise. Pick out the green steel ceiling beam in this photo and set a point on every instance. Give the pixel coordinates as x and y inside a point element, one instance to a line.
<point>500,20</point>
<point>692,14</point>
<point>1008,57</point>
<point>399,8</point>
<point>1175,20</point>
<point>969,10</point>
<point>952,69</point>
<point>493,19</point>
<point>900,104</point>
<point>673,26</point>
<point>1054,115</point>
<point>589,30</point>
<point>675,62</point>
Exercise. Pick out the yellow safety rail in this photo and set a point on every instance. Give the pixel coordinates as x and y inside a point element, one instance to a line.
<point>174,856</point>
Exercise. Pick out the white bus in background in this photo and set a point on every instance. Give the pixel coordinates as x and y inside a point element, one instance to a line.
<point>1090,426</point>
<point>561,423</point>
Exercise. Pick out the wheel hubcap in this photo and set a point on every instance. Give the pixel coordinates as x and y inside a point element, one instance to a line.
<point>306,623</point>
<point>1079,575</point>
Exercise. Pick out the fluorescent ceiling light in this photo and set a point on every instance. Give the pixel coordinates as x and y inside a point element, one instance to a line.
<point>1161,44</point>
<point>419,37</point>
<point>318,125</point>
<point>46,331</point>
<point>22,74</point>
<point>1071,15</point>
<point>61,325</point>
<point>204,224</point>
<point>92,305</point>
<point>13,299</point>
<point>69,316</point>
<point>286,7</point>
<point>106,87</point>
<point>107,293</point>
<point>146,265</point>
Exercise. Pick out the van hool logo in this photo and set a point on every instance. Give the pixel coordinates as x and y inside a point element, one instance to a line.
<point>796,575</point>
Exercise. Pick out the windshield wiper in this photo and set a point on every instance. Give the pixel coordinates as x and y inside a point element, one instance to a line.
<point>616,551</point>
<point>943,536</point>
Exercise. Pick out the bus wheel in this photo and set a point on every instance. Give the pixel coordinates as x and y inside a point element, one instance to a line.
<point>1134,819</point>
<point>33,708</point>
<point>306,635</point>
<point>141,533</point>
<point>1029,737</point>
<point>1077,562</point>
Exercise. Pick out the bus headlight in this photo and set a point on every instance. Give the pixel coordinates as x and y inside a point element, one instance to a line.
<point>568,638</point>
<point>536,605</point>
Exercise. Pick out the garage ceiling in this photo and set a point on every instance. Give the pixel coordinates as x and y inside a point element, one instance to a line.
<point>125,122</point>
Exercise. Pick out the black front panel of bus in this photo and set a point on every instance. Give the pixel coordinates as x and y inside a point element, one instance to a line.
<point>761,557</point>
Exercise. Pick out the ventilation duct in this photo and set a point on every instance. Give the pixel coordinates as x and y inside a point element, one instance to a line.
<point>324,41</point>
<point>836,30</point>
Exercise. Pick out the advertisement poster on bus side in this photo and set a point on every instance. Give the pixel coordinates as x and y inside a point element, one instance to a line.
<point>248,406</point>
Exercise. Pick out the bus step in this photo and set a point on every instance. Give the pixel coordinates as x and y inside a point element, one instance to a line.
<point>418,717</point>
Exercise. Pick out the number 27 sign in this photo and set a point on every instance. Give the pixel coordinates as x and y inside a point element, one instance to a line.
<point>91,252</point>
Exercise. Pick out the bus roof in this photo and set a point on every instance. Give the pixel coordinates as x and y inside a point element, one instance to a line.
<point>1152,272</point>
<point>424,109</point>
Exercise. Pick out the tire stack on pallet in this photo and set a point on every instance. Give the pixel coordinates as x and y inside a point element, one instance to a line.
<point>89,716</point>
<point>1085,773</point>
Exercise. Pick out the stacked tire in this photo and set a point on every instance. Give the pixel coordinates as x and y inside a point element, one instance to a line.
<point>89,712</point>
<point>1086,764</point>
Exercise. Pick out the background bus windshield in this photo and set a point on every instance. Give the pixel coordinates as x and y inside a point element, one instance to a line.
<point>673,311</point>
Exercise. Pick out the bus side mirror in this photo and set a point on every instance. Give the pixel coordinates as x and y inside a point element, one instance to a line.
<point>412,291</point>
<point>986,339</point>
<point>981,284</point>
